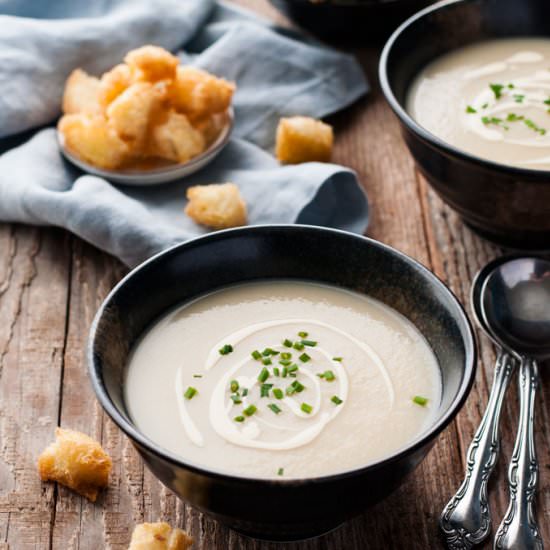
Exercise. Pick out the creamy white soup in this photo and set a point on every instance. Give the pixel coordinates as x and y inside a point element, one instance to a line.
<point>288,379</point>
<point>491,99</point>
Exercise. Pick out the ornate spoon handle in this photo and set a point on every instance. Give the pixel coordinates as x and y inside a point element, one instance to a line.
<point>519,529</point>
<point>466,521</point>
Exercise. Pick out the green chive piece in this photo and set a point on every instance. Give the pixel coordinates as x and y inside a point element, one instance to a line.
<point>511,86</point>
<point>295,387</point>
<point>239,419</point>
<point>190,392</point>
<point>485,105</point>
<point>306,408</point>
<point>250,410</point>
<point>493,120</point>
<point>228,348</point>
<point>304,357</point>
<point>264,375</point>
<point>267,361</point>
<point>286,355</point>
<point>419,400</point>
<point>512,117</point>
<point>303,334</point>
<point>245,392</point>
<point>197,376</point>
<point>276,371</point>
<point>234,386</point>
<point>530,124</point>
<point>547,101</point>
<point>264,390</point>
<point>285,362</point>
<point>518,98</point>
<point>497,90</point>
<point>329,376</point>
<point>236,399</point>
<point>278,393</point>
<point>339,359</point>
<point>470,109</point>
<point>310,343</point>
<point>293,368</point>
<point>336,400</point>
<point>266,352</point>
<point>256,354</point>
<point>287,343</point>
<point>274,408</point>
<point>321,374</point>
<point>298,345</point>
<point>280,471</point>
<point>285,372</point>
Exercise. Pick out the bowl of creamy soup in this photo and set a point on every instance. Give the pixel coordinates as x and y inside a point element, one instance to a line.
<point>470,83</point>
<point>281,378</point>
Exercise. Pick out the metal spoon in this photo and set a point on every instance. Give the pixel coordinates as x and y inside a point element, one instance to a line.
<point>466,519</point>
<point>516,307</point>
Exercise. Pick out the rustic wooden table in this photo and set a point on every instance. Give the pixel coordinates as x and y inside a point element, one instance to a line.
<point>50,286</point>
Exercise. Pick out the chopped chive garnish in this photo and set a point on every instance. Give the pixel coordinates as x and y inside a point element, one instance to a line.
<point>287,343</point>
<point>256,354</point>
<point>304,357</point>
<point>239,419</point>
<point>285,362</point>
<point>276,371</point>
<point>286,355</point>
<point>497,90</point>
<point>267,361</point>
<point>493,120</point>
<point>321,374</point>
<point>485,105</point>
<point>512,117</point>
<point>339,359</point>
<point>234,386</point>
<point>266,352</point>
<point>329,376</point>
<point>274,408</point>
<point>280,471</point>
<point>530,124</point>
<point>518,98</point>
<point>511,86</point>
<point>264,390</point>
<point>245,392</point>
<point>470,109</point>
<point>285,372</point>
<point>190,392</point>
<point>197,376</point>
<point>547,101</point>
<point>298,345</point>
<point>298,387</point>
<point>419,400</point>
<point>306,408</point>
<point>336,400</point>
<point>310,343</point>
<point>264,375</point>
<point>303,334</point>
<point>228,348</point>
<point>293,368</point>
<point>250,410</point>
<point>278,393</point>
<point>236,399</point>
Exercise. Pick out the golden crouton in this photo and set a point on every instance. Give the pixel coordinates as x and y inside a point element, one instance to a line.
<point>114,82</point>
<point>175,139</point>
<point>152,63</point>
<point>91,139</point>
<point>81,94</point>
<point>130,113</point>
<point>77,461</point>
<point>198,93</point>
<point>211,126</point>
<point>159,536</point>
<point>217,205</point>
<point>303,139</point>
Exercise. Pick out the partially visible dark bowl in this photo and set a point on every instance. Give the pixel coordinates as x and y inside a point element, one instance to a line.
<point>508,205</point>
<point>359,21</point>
<point>280,509</point>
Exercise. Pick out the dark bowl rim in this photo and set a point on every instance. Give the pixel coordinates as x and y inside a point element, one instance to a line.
<point>538,176</point>
<point>470,364</point>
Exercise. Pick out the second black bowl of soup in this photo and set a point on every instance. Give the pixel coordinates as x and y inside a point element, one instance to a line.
<point>259,372</point>
<point>469,82</point>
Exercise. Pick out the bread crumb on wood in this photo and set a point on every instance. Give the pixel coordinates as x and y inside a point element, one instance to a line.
<point>159,536</point>
<point>76,461</point>
<point>218,205</point>
<point>303,139</point>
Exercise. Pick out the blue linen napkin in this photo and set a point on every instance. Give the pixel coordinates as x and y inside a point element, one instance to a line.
<point>277,74</point>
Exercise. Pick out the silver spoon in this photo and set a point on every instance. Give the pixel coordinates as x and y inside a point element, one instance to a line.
<point>516,307</point>
<point>466,520</point>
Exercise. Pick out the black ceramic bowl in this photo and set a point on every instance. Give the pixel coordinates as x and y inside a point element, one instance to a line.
<point>510,206</point>
<point>364,21</point>
<point>280,509</point>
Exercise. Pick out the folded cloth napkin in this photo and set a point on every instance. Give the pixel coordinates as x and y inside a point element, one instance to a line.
<point>277,74</point>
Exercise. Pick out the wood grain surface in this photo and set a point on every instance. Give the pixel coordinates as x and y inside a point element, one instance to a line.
<point>50,286</point>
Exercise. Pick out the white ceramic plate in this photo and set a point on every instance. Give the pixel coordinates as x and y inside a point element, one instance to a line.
<point>155,175</point>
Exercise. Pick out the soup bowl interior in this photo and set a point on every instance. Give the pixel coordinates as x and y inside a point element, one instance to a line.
<point>506,204</point>
<point>278,508</point>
